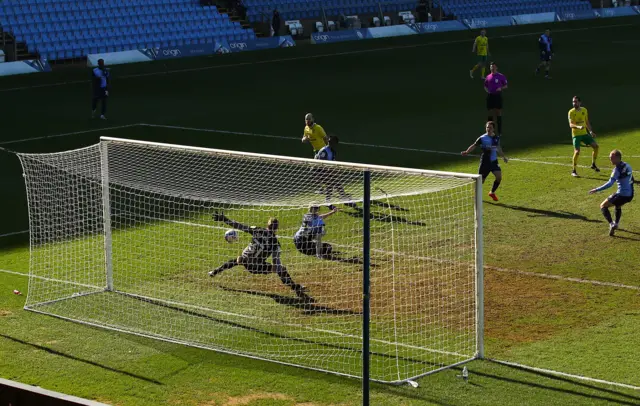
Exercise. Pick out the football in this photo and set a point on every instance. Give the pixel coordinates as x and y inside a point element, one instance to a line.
<point>231,236</point>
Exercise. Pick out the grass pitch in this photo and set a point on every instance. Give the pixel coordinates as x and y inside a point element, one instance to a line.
<point>415,94</point>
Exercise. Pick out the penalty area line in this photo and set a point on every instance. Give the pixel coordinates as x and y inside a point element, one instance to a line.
<point>562,374</point>
<point>356,144</point>
<point>14,233</point>
<point>68,134</point>
<point>14,272</point>
<point>562,278</point>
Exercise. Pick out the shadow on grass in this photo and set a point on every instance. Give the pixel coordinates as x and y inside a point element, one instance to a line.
<point>634,400</point>
<point>561,214</point>
<point>72,357</point>
<point>387,205</point>
<point>383,218</point>
<point>621,237</point>
<point>238,325</point>
<point>308,308</point>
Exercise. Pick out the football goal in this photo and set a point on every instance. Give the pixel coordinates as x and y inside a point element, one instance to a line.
<point>297,261</point>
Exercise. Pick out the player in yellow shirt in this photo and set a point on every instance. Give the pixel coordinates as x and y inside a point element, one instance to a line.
<point>314,134</point>
<point>582,133</point>
<point>481,48</point>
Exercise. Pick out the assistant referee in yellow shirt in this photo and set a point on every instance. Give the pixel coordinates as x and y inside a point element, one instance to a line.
<point>314,134</point>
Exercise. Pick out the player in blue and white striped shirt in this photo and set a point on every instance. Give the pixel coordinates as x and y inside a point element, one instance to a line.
<point>545,43</point>
<point>100,78</point>
<point>623,175</point>
<point>330,180</point>
<point>308,239</point>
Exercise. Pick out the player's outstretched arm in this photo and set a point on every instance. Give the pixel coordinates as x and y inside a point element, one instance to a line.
<point>468,150</point>
<point>473,48</point>
<point>221,217</point>
<point>607,185</point>
<point>325,215</point>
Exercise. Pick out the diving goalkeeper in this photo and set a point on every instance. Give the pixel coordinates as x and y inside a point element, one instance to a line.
<point>264,244</point>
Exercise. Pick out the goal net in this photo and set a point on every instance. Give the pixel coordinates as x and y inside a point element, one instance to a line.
<point>130,236</point>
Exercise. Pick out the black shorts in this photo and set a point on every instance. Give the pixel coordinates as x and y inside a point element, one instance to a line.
<point>494,101</point>
<point>617,200</point>
<point>255,265</point>
<point>99,93</point>
<point>486,168</point>
<point>307,246</point>
<point>545,56</point>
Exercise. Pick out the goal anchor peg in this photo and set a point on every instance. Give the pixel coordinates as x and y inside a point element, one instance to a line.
<point>413,383</point>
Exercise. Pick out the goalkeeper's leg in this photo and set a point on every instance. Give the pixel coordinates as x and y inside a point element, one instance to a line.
<point>284,276</point>
<point>227,265</point>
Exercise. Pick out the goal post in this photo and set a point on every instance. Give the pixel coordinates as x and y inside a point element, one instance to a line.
<point>131,236</point>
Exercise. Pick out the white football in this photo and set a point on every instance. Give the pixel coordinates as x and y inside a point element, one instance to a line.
<point>231,236</point>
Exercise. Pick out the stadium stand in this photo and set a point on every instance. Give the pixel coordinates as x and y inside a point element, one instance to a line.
<point>66,29</point>
<point>310,9</point>
<point>307,9</point>
<point>494,8</point>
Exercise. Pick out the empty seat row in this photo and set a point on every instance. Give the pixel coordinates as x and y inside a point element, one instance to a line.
<point>119,10</point>
<point>106,24</point>
<point>90,35</point>
<point>10,21</point>
<point>511,9</point>
<point>17,3</point>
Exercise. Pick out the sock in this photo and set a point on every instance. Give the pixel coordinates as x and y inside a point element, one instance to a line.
<point>546,72</point>
<point>575,160</point>
<point>606,214</point>
<point>594,155</point>
<point>474,68</point>
<point>94,104</point>
<point>618,214</point>
<point>482,71</point>
<point>227,265</point>
<point>104,106</point>
<point>496,183</point>
<point>499,125</point>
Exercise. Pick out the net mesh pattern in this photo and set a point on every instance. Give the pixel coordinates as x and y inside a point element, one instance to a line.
<point>300,302</point>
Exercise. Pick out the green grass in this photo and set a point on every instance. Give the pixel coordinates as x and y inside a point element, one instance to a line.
<point>545,221</point>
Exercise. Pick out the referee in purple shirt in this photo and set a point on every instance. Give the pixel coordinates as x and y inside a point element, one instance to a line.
<point>494,85</point>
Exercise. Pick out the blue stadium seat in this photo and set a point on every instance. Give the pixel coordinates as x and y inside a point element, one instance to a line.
<point>59,29</point>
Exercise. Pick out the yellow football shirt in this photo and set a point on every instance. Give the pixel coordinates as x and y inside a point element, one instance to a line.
<point>316,136</point>
<point>482,43</point>
<point>579,117</point>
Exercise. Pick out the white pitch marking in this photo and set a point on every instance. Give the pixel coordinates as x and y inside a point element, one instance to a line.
<point>362,51</point>
<point>552,372</point>
<point>68,134</point>
<point>14,233</point>
<point>357,144</point>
